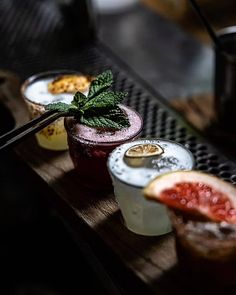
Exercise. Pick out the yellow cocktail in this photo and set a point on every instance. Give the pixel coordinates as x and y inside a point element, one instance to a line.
<point>50,87</point>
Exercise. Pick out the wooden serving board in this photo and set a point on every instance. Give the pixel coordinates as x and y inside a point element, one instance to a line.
<point>136,261</point>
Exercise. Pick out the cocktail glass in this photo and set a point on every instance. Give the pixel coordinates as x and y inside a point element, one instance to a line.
<point>130,176</point>
<point>89,148</point>
<point>206,250</point>
<point>36,94</point>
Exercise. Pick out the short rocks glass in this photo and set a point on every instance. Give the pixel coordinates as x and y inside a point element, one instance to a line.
<point>50,87</point>
<point>131,174</point>
<point>89,148</point>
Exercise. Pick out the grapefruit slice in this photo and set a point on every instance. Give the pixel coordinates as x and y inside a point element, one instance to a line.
<point>195,193</point>
<point>144,150</point>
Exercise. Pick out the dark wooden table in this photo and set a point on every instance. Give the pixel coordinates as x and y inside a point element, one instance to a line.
<point>135,263</point>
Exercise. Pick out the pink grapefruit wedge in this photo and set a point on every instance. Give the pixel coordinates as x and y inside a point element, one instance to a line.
<point>195,193</point>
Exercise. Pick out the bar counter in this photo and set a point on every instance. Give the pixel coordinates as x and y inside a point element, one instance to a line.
<point>125,262</point>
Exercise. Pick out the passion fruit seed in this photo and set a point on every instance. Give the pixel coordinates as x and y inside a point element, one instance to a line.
<point>143,151</point>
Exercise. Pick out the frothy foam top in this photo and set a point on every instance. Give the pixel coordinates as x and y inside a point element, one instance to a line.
<point>175,157</point>
<point>92,134</point>
<point>38,92</point>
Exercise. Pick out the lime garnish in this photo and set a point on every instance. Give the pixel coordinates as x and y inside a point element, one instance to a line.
<point>144,150</point>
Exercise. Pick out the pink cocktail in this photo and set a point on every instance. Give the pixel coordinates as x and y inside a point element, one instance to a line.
<point>89,148</point>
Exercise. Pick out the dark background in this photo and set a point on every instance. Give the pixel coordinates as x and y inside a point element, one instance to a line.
<point>37,254</point>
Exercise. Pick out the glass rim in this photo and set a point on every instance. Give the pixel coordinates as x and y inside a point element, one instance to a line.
<point>151,138</point>
<point>104,143</point>
<point>226,32</point>
<point>31,79</point>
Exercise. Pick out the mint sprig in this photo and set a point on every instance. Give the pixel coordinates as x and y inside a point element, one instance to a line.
<point>100,108</point>
<point>106,99</point>
<point>112,119</point>
<point>79,99</point>
<point>103,82</point>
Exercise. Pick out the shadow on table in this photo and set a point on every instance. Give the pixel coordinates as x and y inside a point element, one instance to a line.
<point>154,259</point>
<point>37,254</point>
<point>148,257</point>
<point>36,155</point>
<point>190,283</point>
<point>82,198</point>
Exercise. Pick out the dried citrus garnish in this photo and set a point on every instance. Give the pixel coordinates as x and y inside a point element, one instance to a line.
<point>144,150</point>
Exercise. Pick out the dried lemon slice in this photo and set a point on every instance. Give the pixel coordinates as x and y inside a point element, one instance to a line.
<point>143,151</point>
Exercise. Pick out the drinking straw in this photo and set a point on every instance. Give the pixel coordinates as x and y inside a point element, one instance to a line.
<point>207,25</point>
<point>17,135</point>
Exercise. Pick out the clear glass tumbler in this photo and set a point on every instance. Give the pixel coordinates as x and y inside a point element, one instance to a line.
<point>130,176</point>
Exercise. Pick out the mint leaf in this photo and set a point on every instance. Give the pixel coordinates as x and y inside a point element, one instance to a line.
<point>101,83</point>
<point>111,119</point>
<point>118,116</point>
<point>74,111</point>
<point>70,109</point>
<point>59,107</point>
<point>99,122</point>
<point>79,99</point>
<point>107,99</point>
<point>105,77</point>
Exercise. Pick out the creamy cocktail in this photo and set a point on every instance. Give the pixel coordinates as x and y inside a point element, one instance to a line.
<point>51,87</point>
<point>132,166</point>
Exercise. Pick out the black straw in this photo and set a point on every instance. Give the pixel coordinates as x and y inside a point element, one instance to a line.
<point>17,135</point>
<point>9,135</point>
<point>208,27</point>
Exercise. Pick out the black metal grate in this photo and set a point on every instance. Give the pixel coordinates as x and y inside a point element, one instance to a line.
<point>160,121</point>
<point>28,52</point>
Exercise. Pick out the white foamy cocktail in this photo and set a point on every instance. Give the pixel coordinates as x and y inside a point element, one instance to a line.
<point>89,148</point>
<point>37,94</point>
<point>131,175</point>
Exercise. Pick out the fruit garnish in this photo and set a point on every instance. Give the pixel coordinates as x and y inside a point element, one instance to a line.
<point>195,193</point>
<point>69,84</point>
<point>100,108</point>
<point>144,150</point>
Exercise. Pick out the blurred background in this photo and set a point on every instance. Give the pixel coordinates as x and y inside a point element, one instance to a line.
<point>220,13</point>
<point>158,36</point>
<point>161,41</point>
